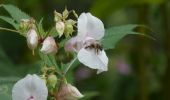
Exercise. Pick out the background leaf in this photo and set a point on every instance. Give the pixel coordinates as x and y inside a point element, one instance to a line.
<point>15,12</point>
<point>114,34</point>
<point>10,21</point>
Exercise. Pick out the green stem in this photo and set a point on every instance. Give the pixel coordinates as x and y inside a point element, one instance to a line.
<point>166,81</point>
<point>6,29</point>
<point>72,62</point>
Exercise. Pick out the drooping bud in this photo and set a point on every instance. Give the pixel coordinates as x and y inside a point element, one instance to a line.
<point>68,92</point>
<point>32,39</point>
<point>49,46</point>
<point>60,26</point>
<point>52,80</point>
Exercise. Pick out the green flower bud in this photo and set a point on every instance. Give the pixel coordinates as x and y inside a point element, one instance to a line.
<point>52,80</point>
<point>24,23</point>
<point>68,29</point>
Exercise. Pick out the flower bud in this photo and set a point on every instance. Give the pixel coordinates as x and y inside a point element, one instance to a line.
<point>68,30</point>
<point>60,28</point>
<point>52,80</point>
<point>32,39</point>
<point>68,92</point>
<point>24,23</point>
<point>49,46</point>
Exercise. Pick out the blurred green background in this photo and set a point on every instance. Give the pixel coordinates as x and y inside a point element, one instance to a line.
<point>139,68</point>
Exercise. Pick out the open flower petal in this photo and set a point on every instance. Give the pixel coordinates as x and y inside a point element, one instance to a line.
<point>91,26</point>
<point>30,88</point>
<point>74,44</point>
<point>92,60</point>
<point>82,25</point>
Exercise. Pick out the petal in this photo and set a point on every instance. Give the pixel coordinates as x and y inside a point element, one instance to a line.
<point>91,26</point>
<point>92,60</point>
<point>20,87</point>
<point>74,44</point>
<point>29,86</point>
<point>82,25</point>
<point>40,89</point>
<point>95,27</point>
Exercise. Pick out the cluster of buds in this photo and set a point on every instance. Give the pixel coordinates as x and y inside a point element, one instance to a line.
<point>26,24</point>
<point>64,25</point>
<point>29,30</point>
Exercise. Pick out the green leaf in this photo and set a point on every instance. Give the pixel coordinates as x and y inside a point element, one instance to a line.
<point>10,21</point>
<point>9,79</point>
<point>115,34</point>
<point>89,95</point>
<point>49,59</point>
<point>53,32</point>
<point>15,12</point>
<point>40,29</point>
<point>5,91</point>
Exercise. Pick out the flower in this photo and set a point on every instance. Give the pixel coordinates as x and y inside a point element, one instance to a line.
<point>60,26</point>
<point>31,87</point>
<point>32,39</point>
<point>90,53</point>
<point>49,45</point>
<point>68,92</point>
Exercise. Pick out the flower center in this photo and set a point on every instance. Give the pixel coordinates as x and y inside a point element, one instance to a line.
<point>31,98</point>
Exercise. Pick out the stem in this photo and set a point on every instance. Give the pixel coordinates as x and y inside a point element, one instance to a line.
<point>139,56</point>
<point>72,62</point>
<point>166,81</point>
<point>6,29</point>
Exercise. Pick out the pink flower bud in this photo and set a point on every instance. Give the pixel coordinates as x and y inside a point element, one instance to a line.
<point>68,92</point>
<point>32,39</point>
<point>49,46</point>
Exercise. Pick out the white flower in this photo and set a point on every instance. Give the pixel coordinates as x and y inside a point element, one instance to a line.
<point>90,53</point>
<point>68,92</point>
<point>31,87</point>
<point>32,39</point>
<point>49,46</point>
<point>60,26</point>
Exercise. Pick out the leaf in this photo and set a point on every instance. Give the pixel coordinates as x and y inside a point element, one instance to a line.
<point>40,29</point>
<point>15,12</point>
<point>9,79</point>
<point>115,34</point>
<point>10,21</point>
<point>5,91</point>
<point>89,95</point>
<point>53,32</point>
<point>48,59</point>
